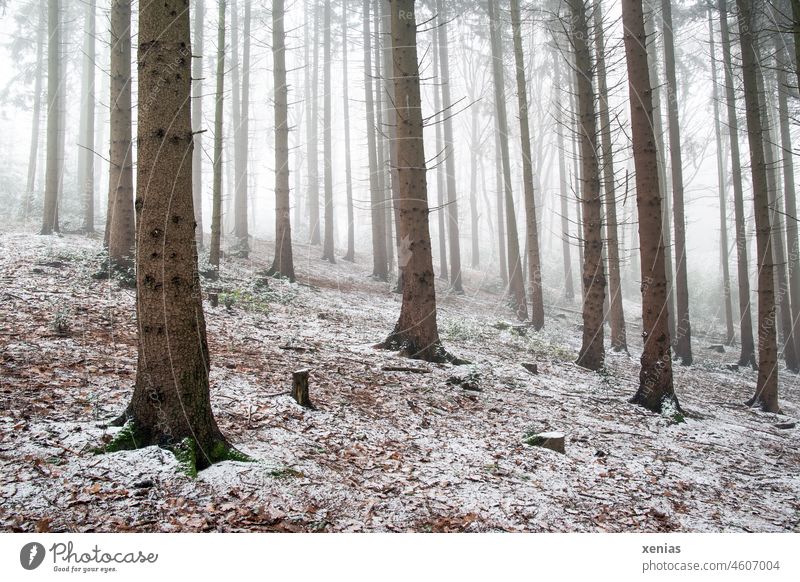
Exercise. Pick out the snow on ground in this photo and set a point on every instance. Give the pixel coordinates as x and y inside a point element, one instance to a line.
<point>383,451</point>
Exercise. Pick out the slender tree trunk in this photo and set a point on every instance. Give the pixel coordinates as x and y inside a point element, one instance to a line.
<point>380,269</point>
<point>475,256</point>
<point>52,171</point>
<point>86,145</point>
<point>216,203</point>
<point>283,264</point>
<point>796,34</point>
<point>683,329</point>
<point>532,227</point>
<point>444,274</point>
<point>382,137</point>
<point>350,255</point>
<point>655,378</point>
<point>766,396</point>
<point>327,248</point>
<point>33,156</point>
<point>592,354</point>
<point>313,154</point>
<point>516,277</point>
<point>121,227</point>
<point>566,247</point>
<point>616,313</point>
<point>416,332</point>
<point>171,403</point>
<point>240,81</point>
<point>747,356</point>
<point>499,193</point>
<point>197,119</point>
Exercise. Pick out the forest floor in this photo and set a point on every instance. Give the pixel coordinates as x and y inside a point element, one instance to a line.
<point>384,450</point>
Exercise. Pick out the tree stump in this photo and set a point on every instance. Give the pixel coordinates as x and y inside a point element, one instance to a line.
<point>532,368</point>
<point>300,387</point>
<point>549,440</point>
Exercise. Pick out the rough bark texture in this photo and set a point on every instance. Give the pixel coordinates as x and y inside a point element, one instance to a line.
<point>350,255</point>
<point>416,332</point>
<point>747,355</point>
<point>120,228</point>
<point>52,169</point>
<point>531,223</point>
<point>86,144</point>
<point>516,277</point>
<point>197,118</point>
<point>380,268</point>
<point>655,378</point>
<point>592,353</point>
<point>616,313</point>
<point>327,138</point>
<point>766,396</point>
<point>283,263</point>
<point>171,403</point>
<point>683,327</point>
<point>216,194</point>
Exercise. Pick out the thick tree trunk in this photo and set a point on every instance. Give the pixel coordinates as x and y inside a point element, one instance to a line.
<point>683,329</point>
<point>444,271</point>
<point>655,379</point>
<point>380,268</point>
<point>283,264</point>
<point>766,396</point>
<point>33,155</point>
<point>350,255</point>
<point>327,138</point>
<point>216,194</point>
<point>592,353</point>
<point>566,247</point>
<point>616,313</point>
<point>747,356</point>
<point>197,119</point>
<point>416,332</point>
<point>516,277</point>
<point>52,170</point>
<point>86,145</point>
<point>531,225</point>
<point>121,226</point>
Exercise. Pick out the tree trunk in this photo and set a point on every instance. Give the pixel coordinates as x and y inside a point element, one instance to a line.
<point>240,96</point>
<point>33,156</point>
<point>197,119</point>
<point>683,329</point>
<point>616,315</point>
<point>566,247</point>
<point>747,356</point>
<point>449,154</point>
<point>86,145</point>
<point>53,170</point>
<point>327,248</point>
<point>171,403</point>
<point>380,268</point>
<point>655,378</point>
<point>216,202</point>
<point>499,193</point>
<point>350,255</point>
<point>515,275</point>
<point>475,256</point>
<point>121,227</point>
<point>532,228</point>
<point>381,104</point>
<point>283,264</point>
<point>313,154</point>
<point>592,354</point>
<point>444,274</point>
<point>416,332</point>
<point>766,396</point>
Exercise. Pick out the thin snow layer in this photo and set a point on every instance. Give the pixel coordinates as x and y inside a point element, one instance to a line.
<point>383,450</point>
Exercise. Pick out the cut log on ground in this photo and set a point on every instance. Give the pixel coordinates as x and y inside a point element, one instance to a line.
<point>300,387</point>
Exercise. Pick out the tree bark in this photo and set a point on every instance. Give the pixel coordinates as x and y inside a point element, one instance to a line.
<point>313,153</point>
<point>327,248</point>
<point>444,273</point>
<point>197,118</point>
<point>766,395</point>
<point>240,95</point>
<point>655,378</point>
<point>216,202</point>
<point>53,169</point>
<point>566,247</point>
<point>350,255</point>
<point>86,145</point>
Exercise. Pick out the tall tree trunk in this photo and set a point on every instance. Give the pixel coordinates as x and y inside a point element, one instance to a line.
<point>449,154</point>
<point>240,95</point>
<point>171,403</point>
<point>350,255</point>
<point>327,248</point>
<point>121,226</point>
<point>380,269</point>
<point>53,170</point>
<point>475,256</point>
<point>416,332</point>
<point>766,396</point>
<point>444,274</point>
<point>592,353</point>
<point>616,313</point>
<point>86,145</point>
<point>796,34</point>
<point>381,104</point>
<point>197,118</point>
<point>516,277</point>
<point>683,329</point>
<point>655,378</point>
<point>216,195</point>
<point>33,155</point>
<point>283,264</point>
<point>313,154</point>
<point>747,356</point>
<point>499,193</point>
<point>566,247</point>
<point>531,226</point>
